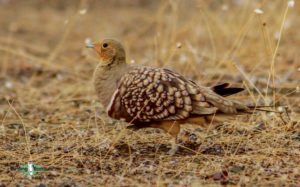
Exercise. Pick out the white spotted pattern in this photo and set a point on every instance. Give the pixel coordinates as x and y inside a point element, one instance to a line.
<point>148,94</point>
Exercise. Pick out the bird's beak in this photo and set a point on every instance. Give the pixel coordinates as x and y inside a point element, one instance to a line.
<point>89,45</point>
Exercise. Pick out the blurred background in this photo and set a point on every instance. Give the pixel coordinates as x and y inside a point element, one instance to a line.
<point>205,40</point>
<point>47,99</point>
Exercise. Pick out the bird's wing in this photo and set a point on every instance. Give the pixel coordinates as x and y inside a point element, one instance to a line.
<point>154,94</point>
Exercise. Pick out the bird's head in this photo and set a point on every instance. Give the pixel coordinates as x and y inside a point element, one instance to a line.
<point>110,51</point>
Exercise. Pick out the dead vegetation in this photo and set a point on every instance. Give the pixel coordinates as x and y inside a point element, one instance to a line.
<point>50,115</point>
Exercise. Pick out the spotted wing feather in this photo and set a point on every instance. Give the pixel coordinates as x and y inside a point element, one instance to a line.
<point>149,94</point>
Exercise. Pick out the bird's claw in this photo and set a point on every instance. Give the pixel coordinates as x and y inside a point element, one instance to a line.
<point>173,150</point>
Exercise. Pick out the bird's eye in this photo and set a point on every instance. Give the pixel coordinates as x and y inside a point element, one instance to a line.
<point>104,45</point>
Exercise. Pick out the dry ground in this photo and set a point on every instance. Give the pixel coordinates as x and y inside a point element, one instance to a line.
<point>50,115</point>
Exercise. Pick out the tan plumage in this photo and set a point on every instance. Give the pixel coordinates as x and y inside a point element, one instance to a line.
<point>154,97</point>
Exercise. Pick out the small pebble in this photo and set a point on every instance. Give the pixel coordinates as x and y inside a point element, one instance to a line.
<point>258,11</point>
<point>82,11</point>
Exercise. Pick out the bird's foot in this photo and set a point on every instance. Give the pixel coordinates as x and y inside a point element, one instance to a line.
<point>174,146</point>
<point>173,150</point>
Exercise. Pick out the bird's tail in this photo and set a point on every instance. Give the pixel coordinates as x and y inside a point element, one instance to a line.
<point>225,89</point>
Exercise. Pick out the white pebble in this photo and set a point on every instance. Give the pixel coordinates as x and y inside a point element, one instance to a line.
<point>178,45</point>
<point>291,3</point>
<point>82,11</point>
<point>225,7</point>
<point>9,85</point>
<point>280,109</point>
<point>258,11</point>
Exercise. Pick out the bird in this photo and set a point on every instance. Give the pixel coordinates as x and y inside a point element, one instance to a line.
<point>152,97</point>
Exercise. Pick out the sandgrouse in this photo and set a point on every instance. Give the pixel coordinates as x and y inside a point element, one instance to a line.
<point>155,97</point>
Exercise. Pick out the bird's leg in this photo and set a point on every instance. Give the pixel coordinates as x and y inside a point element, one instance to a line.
<point>207,121</point>
<point>174,146</point>
<point>173,128</point>
<point>200,120</point>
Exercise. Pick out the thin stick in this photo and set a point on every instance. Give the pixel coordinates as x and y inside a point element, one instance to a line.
<point>24,128</point>
<point>272,70</point>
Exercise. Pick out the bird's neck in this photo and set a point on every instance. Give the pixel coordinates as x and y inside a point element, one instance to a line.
<point>106,79</point>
